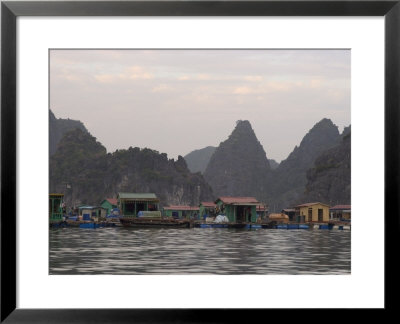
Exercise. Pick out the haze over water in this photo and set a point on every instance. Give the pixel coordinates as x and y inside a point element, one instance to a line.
<point>129,251</point>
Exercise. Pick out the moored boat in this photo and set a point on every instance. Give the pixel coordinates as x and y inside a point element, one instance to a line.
<point>154,222</point>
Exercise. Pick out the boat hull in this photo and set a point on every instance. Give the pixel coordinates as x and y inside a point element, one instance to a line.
<point>160,223</point>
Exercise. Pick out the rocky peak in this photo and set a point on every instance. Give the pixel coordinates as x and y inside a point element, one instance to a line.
<point>239,165</point>
<point>58,127</point>
<point>288,181</point>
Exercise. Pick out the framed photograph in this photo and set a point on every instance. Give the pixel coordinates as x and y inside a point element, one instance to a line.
<point>266,129</point>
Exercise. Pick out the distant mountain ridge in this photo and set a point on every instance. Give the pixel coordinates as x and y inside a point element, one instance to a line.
<point>273,164</point>
<point>58,127</point>
<point>316,170</point>
<point>86,174</point>
<point>197,160</point>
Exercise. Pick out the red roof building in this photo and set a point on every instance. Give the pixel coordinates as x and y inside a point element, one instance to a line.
<point>261,208</point>
<point>340,212</point>
<point>112,201</point>
<point>341,207</point>
<point>208,204</point>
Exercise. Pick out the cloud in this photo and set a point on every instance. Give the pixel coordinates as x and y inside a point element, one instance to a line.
<point>105,78</point>
<point>211,88</point>
<point>138,73</point>
<point>264,88</point>
<point>162,88</point>
<point>253,78</point>
<point>130,73</point>
<point>244,91</point>
<point>198,77</point>
<point>183,78</point>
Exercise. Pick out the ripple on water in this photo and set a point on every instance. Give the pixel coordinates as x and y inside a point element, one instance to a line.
<point>199,251</point>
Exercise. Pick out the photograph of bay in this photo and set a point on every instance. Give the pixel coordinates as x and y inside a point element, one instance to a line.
<point>199,161</point>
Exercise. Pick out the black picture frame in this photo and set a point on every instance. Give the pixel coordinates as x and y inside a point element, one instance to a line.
<point>10,10</point>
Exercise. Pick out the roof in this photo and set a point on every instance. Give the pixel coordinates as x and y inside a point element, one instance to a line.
<point>56,194</point>
<point>311,204</point>
<point>90,207</point>
<point>180,207</point>
<point>341,207</point>
<point>137,196</point>
<point>112,201</point>
<point>208,204</point>
<point>288,210</point>
<point>238,200</point>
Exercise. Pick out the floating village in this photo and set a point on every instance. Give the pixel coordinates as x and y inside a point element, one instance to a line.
<point>143,210</point>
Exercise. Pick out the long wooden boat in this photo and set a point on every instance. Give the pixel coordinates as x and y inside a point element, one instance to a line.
<point>227,225</point>
<point>155,222</point>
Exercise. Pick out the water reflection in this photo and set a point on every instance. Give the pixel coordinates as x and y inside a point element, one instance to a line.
<point>199,251</point>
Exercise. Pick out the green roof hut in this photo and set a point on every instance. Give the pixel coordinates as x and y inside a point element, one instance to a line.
<point>108,204</point>
<point>130,204</point>
<point>238,209</point>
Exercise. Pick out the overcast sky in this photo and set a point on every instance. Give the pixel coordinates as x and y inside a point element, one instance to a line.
<point>176,101</point>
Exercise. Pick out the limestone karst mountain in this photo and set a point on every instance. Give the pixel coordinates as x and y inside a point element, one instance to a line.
<point>286,184</point>
<point>58,127</point>
<point>86,174</point>
<point>329,181</point>
<point>197,160</point>
<point>239,165</point>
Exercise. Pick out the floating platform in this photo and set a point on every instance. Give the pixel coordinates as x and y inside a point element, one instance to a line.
<point>331,226</point>
<point>211,225</point>
<point>58,224</point>
<point>228,225</point>
<point>292,226</point>
<point>156,222</point>
<point>81,224</point>
<point>325,227</point>
<point>96,225</point>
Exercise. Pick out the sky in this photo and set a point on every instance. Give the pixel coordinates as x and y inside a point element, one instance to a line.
<point>177,101</point>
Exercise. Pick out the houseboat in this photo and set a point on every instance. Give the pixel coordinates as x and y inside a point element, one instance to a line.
<point>142,210</point>
<point>56,210</point>
<point>239,212</point>
<point>89,217</point>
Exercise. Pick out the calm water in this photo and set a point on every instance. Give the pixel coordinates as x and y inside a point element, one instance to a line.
<point>199,251</point>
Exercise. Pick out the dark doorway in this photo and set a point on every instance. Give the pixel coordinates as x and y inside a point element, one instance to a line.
<point>320,215</point>
<point>140,207</point>
<point>129,208</point>
<point>240,214</point>
<point>310,214</point>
